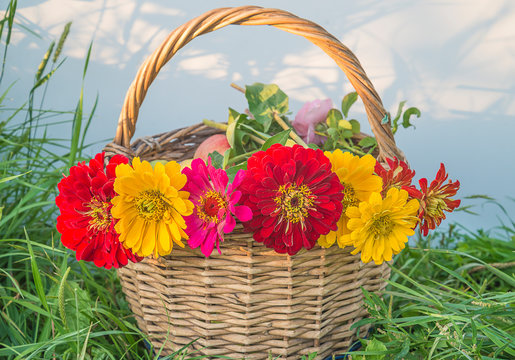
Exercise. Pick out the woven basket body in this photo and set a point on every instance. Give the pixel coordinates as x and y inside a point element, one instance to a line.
<point>249,302</point>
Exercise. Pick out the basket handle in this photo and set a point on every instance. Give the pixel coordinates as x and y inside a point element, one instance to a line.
<point>254,15</point>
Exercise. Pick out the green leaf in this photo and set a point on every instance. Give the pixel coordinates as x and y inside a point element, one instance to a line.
<point>333,134</point>
<point>36,274</point>
<point>369,141</point>
<point>356,127</point>
<point>347,102</point>
<point>237,135</point>
<point>395,121</point>
<point>346,134</point>
<point>333,118</point>
<point>9,178</point>
<point>407,114</point>
<point>217,159</point>
<point>375,345</point>
<point>233,170</point>
<point>227,156</point>
<point>344,124</point>
<point>233,116</point>
<point>264,100</point>
<point>279,138</point>
<point>230,133</point>
<point>328,144</point>
<point>404,350</point>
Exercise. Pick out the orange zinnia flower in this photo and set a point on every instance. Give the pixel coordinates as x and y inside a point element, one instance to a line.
<point>398,175</point>
<point>435,199</point>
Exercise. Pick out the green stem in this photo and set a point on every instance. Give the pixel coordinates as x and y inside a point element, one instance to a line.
<point>241,157</point>
<point>239,88</point>
<point>214,124</point>
<point>256,139</point>
<point>293,134</point>
<point>354,150</point>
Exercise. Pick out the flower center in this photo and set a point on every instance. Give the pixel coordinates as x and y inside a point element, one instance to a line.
<point>382,225</point>
<point>99,215</point>
<point>294,202</point>
<point>151,205</point>
<point>435,206</point>
<point>209,205</point>
<point>349,197</point>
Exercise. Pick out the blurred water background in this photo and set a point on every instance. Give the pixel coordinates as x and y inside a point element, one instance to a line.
<point>453,59</point>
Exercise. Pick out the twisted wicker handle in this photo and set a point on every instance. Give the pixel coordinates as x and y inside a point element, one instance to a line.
<point>254,15</point>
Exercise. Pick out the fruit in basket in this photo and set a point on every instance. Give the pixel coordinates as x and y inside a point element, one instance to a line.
<point>213,143</point>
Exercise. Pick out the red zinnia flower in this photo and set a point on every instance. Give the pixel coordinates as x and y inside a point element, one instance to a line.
<point>398,175</point>
<point>294,197</point>
<point>85,223</point>
<point>435,199</point>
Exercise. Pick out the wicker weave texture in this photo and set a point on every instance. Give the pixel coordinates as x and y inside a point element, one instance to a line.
<point>251,302</point>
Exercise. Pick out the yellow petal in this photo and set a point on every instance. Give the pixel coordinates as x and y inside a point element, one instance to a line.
<point>149,239</point>
<point>174,229</point>
<point>123,170</point>
<point>180,206</point>
<point>136,163</point>
<point>387,255</point>
<point>164,239</point>
<point>368,162</point>
<point>353,212</point>
<point>328,240</point>
<point>354,224</point>
<point>134,233</point>
<point>375,201</point>
<point>379,251</point>
<point>367,252</point>
<point>345,240</point>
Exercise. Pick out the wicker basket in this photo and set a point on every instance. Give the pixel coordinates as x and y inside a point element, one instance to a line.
<point>249,302</point>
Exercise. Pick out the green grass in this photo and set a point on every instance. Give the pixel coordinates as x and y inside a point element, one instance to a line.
<point>450,301</point>
<point>450,295</point>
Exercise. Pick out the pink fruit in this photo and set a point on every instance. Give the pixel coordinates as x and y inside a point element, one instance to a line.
<point>213,143</point>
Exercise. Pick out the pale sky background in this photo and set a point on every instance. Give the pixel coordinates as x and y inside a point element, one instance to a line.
<point>453,59</point>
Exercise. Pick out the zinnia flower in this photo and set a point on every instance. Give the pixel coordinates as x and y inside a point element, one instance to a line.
<point>85,223</point>
<point>294,197</point>
<point>215,204</point>
<point>151,206</point>
<point>380,228</point>
<point>435,199</point>
<point>357,177</point>
<point>309,116</point>
<point>398,175</point>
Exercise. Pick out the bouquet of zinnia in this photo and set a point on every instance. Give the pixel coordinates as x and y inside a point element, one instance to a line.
<point>312,181</point>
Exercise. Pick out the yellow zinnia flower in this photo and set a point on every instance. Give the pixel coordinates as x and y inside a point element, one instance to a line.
<point>150,206</point>
<point>380,228</point>
<point>357,176</point>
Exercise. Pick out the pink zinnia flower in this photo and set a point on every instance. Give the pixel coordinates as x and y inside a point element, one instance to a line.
<point>215,204</point>
<point>309,116</point>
